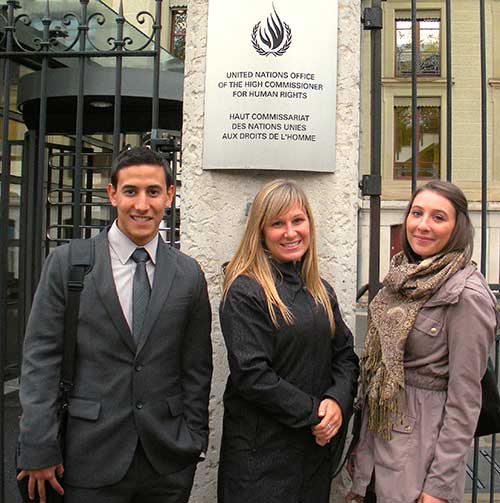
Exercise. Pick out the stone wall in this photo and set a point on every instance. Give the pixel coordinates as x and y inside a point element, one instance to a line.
<point>214,203</point>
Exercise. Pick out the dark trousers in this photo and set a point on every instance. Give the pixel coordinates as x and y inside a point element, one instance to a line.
<point>370,497</point>
<point>141,484</point>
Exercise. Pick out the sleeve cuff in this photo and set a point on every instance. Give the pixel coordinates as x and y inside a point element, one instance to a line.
<point>314,418</point>
<point>37,457</point>
<point>345,403</point>
<point>440,492</point>
<point>359,487</point>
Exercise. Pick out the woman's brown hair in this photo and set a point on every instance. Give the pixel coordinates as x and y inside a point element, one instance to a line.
<point>462,236</point>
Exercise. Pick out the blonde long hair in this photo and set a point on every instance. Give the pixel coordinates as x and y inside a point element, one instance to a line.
<point>272,200</point>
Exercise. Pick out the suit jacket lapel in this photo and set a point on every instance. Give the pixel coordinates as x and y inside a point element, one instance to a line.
<point>166,262</point>
<point>105,285</point>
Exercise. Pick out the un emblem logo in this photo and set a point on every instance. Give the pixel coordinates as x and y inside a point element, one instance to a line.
<point>275,38</point>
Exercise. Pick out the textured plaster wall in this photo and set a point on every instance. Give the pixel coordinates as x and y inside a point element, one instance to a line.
<point>214,203</point>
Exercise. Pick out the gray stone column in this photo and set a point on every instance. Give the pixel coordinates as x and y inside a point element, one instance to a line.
<point>214,203</point>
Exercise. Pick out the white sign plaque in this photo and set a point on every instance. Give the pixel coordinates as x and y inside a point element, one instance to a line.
<point>270,99</point>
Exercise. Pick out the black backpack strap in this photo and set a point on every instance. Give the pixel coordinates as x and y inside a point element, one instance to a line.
<point>81,253</point>
<point>356,431</point>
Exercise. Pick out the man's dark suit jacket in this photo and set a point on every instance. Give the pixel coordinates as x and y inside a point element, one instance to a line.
<point>155,391</point>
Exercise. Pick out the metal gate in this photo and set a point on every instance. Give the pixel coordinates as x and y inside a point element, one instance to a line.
<point>78,86</point>
<point>483,468</point>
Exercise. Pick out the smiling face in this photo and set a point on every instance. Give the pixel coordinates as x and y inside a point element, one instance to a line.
<point>140,198</point>
<point>287,236</point>
<point>430,223</point>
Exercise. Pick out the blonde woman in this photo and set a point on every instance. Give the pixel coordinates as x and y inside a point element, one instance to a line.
<point>293,370</point>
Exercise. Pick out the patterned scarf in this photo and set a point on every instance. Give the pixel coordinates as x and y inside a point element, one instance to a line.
<point>392,313</point>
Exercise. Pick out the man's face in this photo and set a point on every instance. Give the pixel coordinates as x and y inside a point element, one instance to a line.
<point>140,198</point>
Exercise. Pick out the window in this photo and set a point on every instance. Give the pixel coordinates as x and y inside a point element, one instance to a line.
<point>428,141</point>
<point>428,46</point>
<point>178,32</point>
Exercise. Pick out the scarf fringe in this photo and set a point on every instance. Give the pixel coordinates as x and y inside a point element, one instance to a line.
<point>386,398</point>
<point>385,412</point>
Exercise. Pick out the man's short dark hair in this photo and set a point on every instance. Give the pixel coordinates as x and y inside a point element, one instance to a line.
<point>136,156</point>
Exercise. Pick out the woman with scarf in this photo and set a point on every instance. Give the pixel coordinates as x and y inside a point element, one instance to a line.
<point>293,370</point>
<point>430,329</point>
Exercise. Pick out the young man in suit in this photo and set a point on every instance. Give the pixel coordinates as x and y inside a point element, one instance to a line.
<point>138,412</point>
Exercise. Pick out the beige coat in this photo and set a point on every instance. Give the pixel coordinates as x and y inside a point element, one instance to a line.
<point>445,358</point>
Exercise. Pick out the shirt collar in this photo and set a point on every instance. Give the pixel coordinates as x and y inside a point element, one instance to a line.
<point>124,246</point>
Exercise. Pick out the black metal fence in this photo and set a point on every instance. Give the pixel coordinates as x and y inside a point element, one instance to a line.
<point>51,175</point>
<point>77,87</point>
<point>483,454</point>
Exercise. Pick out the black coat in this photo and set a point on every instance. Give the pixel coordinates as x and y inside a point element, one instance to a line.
<point>277,381</point>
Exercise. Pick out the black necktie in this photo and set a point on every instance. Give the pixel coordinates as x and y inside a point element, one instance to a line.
<point>141,291</point>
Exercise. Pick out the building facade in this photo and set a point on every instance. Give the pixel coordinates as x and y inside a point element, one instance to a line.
<point>214,203</point>
<point>465,143</point>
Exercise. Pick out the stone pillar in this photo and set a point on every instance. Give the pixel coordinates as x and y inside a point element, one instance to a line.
<point>214,203</point>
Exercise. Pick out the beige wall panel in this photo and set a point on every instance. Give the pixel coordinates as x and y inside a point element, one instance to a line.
<point>363,245</point>
<point>496,135</point>
<point>365,100</point>
<point>466,120</point>
<point>214,203</point>
<point>493,255</point>
<point>466,94</point>
<point>495,21</point>
<point>493,242</point>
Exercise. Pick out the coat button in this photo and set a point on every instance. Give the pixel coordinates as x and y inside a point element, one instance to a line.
<point>407,427</point>
<point>434,330</point>
<point>139,405</point>
<point>138,367</point>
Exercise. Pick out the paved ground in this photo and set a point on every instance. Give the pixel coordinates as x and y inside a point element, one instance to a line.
<point>12,411</point>
<point>488,465</point>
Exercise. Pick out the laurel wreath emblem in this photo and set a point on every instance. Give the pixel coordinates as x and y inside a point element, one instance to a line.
<point>279,52</point>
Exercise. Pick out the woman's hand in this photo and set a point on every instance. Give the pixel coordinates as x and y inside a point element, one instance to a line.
<point>331,420</point>
<point>427,498</point>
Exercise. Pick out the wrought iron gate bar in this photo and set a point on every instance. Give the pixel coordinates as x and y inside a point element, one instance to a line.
<point>4,229</point>
<point>76,213</point>
<point>73,54</point>
<point>23,257</point>
<point>449,97</point>
<point>120,20</point>
<point>494,464</point>
<point>72,191</point>
<point>39,187</point>
<point>156,73</point>
<point>414,118</point>
<point>83,26</point>
<point>484,197</point>
<point>484,138</point>
<point>83,204</point>
<point>48,206</point>
<point>375,153</point>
